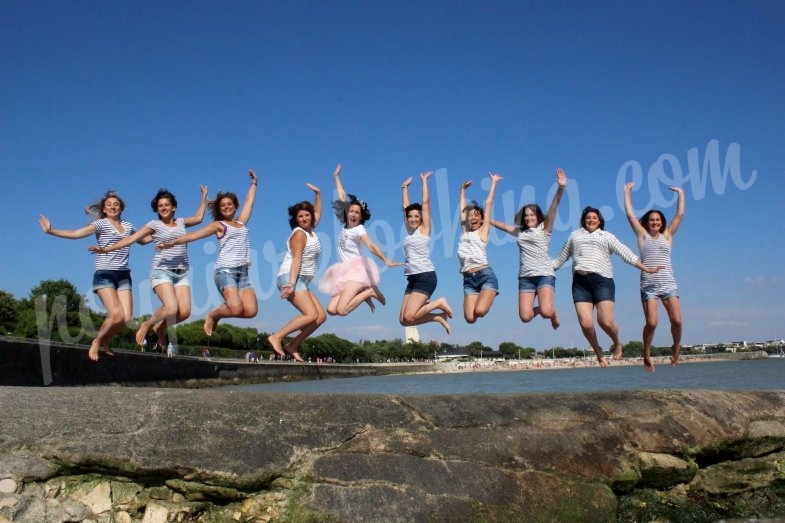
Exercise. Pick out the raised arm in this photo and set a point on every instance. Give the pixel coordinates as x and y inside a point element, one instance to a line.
<point>509,229</point>
<point>561,179</point>
<point>378,252</point>
<point>426,204</point>
<point>71,234</point>
<point>462,203</point>
<point>317,203</point>
<point>339,184</point>
<point>198,234</point>
<point>245,214</point>
<point>138,237</point>
<point>405,197</point>
<point>197,218</point>
<point>673,226</point>
<point>485,228</point>
<point>637,228</point>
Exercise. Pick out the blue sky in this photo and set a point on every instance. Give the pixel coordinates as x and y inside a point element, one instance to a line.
<point>134,96</point>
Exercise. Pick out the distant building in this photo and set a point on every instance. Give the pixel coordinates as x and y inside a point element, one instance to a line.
<point>411,334</point>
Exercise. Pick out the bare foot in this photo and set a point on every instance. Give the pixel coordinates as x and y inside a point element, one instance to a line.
<point>107,350</point>
<point>378,295</point>
<point>676,355</point>
<point>297,357</point>
<point>95,348</point>
<point>603,362</point>
<point>555,321</point>
<point>141,334</point>
<point>369,301</point>
<point>443,323</point>
<point>617,351</point>
<point>443,305</point>
<point>276,344</point>
<point>209,324</point>
<point>648,364</point>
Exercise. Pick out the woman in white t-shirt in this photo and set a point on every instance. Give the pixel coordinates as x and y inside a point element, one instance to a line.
<point>418,268</point>
<point>352,280</point>
<point>112,277</point>
<point>298,268</point>
<point>169,269</point>
<point>480,285</point>
<point>536,278</point>
<point>234,255</point>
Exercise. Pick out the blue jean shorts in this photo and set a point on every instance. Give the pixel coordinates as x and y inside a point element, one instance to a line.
<point>177,277</point>
<point>301,284</point>
<point>107,279</point>
<point>534,283</point>
<point>647,295</point>
<point>226,277</point>
<point>592,288</point>
<point>423,282</point>
<point>483,280</point>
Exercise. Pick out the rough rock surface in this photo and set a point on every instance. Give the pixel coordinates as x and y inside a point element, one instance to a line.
<point>160,455</point>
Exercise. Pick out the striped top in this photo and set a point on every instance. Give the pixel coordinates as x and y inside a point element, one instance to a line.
<point>349,242</point>
<point>656,252</point>
<point>233,247</point>
<point>417,253</point>
<point>534,245</point>
<point>471,251</point>
<point>311,254</point>
<point>177,256</point>
<point>106,235</point>
<point>591,252</point>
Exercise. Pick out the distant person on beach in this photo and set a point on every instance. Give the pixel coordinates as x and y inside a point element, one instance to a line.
<point>112,277</point>
<point>592,278</point>
<point>418,267</point>
<point>234,255</point>
<point>480,285</point>
<point>169,269</point>
<point>298,268</point>
<point>353,280</point>
<point>536,277</point>
<point>655,238</point>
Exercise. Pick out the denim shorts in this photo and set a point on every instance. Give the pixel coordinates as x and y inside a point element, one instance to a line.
<point>301,284</point>
<point>117,280</point>
<point>226,277</point>
<point>177,277</point>
<point>534,283</point>
<point>646,295</point>
<point>476,282</point>
<point>423,282</point>
<point>592,288</point>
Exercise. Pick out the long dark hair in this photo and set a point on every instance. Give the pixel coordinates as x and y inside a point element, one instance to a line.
<point>645,220</point>
<point>519,221</point>
<point>296,208</point>
<point>163,193</point>
<point>341,209</point>
<point>215,205</point>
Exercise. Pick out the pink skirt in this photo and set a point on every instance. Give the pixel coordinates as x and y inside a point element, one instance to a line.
<point>359,270</point>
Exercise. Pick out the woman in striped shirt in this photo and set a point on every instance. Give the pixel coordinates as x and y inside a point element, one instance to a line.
<point>112,277</point>
<point>418,268</point>
<point>536,277</point>
<point>655,238</point>
<point>480,285</point>
<point>234,255</point>
<point>169,269</point>
<point>592,278</point>
<point>352,280</point>
<point>303,250</point>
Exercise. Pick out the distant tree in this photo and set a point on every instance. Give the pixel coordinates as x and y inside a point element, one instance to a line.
<point>8,311</point>
<point>509,349</point>
<point>58,291</point>
<point>633,349</point>
<point>476,348</point>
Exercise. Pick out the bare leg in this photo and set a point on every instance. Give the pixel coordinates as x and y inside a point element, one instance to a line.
<point>526,306</point>
<point>650,317</point>
<point>484,303</point>
<point>294,345</point>
<point>585,312</point>
<point>673,309</point>
<point>308,315</point>
<point>605,311</point>
<point>469,303</point>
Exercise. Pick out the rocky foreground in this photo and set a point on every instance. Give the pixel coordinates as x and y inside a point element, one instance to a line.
<point>154,455</point>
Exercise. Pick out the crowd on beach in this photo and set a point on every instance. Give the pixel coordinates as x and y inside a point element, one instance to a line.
<point>353,279</point>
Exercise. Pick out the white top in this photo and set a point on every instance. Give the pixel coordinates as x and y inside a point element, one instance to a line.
<point>417,253</point>
<point>591,252</point>
<point>106,235</point>
<point>534,245</point>
<point>471,251</point>
<point>311,254</point>
<point>349,242</point>
<point>233,247</point>
<point>177,256</point>
<point>656,252</point>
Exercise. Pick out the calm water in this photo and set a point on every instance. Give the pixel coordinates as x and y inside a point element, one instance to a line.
<point>766,374</point>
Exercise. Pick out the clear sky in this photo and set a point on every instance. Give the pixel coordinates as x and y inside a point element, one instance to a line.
<point>134,96</point>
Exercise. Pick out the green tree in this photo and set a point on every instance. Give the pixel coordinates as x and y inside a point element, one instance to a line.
<point>509,349</point>
<point>61,292</point>
<point>8,311</point>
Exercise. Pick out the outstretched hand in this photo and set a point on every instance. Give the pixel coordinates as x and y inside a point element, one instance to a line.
<point>406,183</point>
<point>628,187</point>
<point>466,184</point>
<point>495,177</point>
<point>253,176</point>
<point>96,249</point>
<point>391,263</point>
<point>424,176</point>
<point>313,188</point>
<point>203,190</point>
<point>43,221</point>
<point>337,170</point>
<point>561,177</point>
<point>678,190</point>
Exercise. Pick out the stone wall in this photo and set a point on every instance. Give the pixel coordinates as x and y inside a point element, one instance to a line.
<point>152,455</point>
